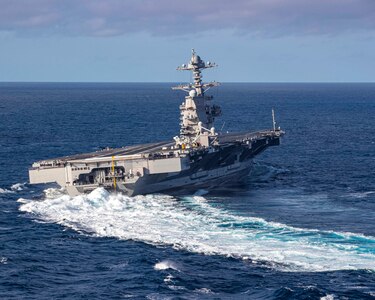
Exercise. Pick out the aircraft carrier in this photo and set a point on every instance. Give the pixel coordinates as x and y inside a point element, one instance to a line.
<point>198,158</point>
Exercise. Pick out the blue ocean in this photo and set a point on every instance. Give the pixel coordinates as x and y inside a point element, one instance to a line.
<point>302,227</point>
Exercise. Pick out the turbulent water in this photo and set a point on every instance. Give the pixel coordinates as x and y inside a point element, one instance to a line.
<point>303,227</point>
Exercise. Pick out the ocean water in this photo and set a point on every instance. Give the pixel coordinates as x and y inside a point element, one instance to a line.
<point>303,227</point>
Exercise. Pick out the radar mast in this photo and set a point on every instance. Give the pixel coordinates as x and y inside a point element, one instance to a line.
<point>197,112</point>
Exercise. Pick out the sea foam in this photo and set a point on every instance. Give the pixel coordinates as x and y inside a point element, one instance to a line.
<point>193,224</point>
<point>17,187</point>
<point>6,191</point>
<point>165,265</point>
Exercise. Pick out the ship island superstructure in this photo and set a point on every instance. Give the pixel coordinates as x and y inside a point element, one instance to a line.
<point>198,158</point>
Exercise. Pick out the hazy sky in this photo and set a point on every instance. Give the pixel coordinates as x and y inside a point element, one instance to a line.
<point>145,40</point>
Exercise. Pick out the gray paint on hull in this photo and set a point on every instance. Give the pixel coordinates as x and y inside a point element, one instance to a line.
<point>185,182</point>
<point>207,170</point>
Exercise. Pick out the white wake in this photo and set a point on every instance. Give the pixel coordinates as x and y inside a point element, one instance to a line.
<point>192,224</point>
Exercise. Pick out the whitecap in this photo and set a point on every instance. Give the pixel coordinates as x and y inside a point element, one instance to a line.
<point>204,291</point>
<point>165,265</point>
<point>176,287</point>
<point>361,195</point>
<point>22,200</point>
<point>17,187</point>
<point>3,260</point>
<point>5,191</point>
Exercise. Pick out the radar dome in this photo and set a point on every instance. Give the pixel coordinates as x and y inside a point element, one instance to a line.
<point>196,59</point>
<point>192,93</point>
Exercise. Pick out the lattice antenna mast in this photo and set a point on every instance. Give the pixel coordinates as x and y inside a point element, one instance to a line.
<point>195,65</point>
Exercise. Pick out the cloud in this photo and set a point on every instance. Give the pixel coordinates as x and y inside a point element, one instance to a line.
<point>181,17</point>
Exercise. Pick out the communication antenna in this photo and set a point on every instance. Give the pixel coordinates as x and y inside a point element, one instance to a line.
<point>273,120</point>
<point>222,127</point>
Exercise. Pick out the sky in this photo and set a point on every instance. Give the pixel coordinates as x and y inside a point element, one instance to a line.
<point>145,40</point>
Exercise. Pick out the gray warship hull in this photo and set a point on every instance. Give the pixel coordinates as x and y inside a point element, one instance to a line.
<point>157,167</point>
